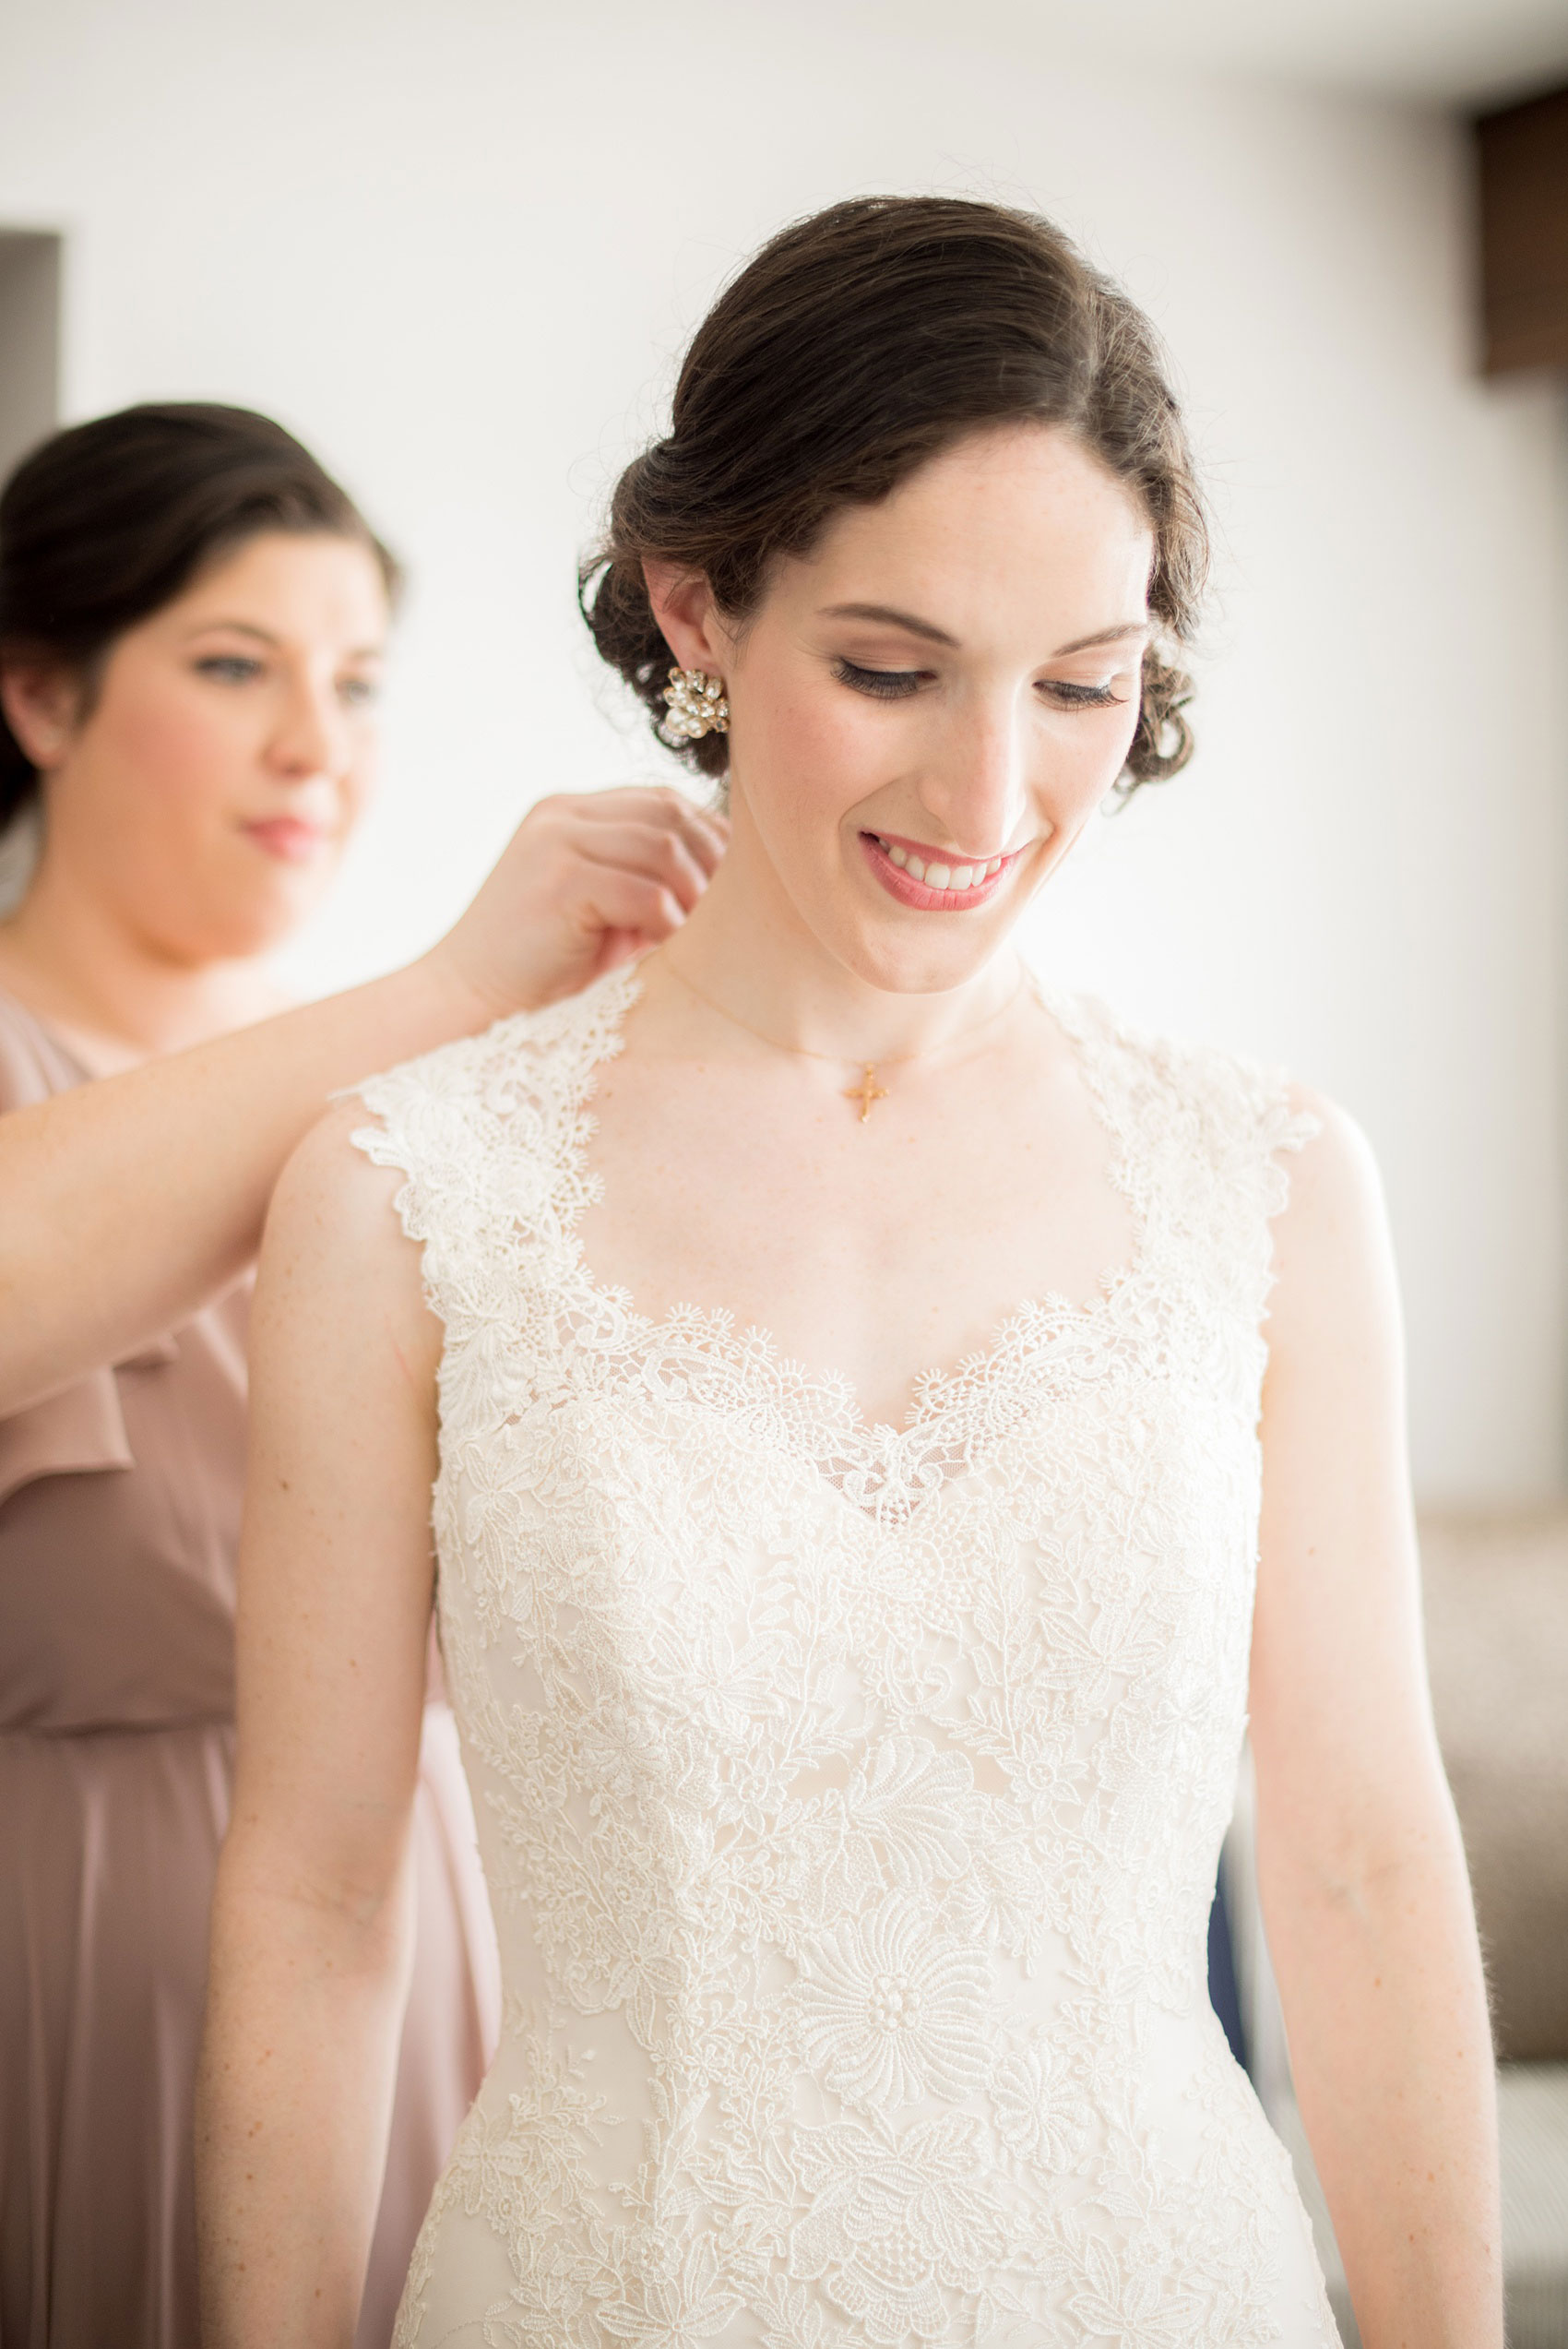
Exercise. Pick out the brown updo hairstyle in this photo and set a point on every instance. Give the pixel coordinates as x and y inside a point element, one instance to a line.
<point>108,521</point>
<point>855,346</point>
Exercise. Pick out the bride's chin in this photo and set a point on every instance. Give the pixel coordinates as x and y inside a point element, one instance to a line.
<point>901,965</point>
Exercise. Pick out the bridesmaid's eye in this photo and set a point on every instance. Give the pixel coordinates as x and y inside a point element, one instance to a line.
<point>229,668</point>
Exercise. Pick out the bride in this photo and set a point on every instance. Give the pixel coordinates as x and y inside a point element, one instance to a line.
<point>852,1658</point>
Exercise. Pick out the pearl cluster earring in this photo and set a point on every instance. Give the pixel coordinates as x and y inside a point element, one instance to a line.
<point>697,704</point>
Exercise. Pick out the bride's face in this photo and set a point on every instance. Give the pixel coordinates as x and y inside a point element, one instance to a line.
<point>925,712</point>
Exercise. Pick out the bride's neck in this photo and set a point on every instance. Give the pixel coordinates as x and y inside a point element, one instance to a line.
<point>747,951</point>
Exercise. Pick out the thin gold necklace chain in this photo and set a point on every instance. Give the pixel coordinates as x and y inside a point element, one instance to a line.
<point>868,1091</point>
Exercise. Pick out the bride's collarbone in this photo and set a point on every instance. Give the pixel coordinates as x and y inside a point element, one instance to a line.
<point>872,1251</point>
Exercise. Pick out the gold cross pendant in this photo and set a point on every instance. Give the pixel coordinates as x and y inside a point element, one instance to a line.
<point>867,1090</point>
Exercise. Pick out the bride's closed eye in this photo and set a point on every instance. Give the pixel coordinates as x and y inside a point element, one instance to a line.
<point>1068,696</point>
<point>896,684</point>
<point>883,684</point>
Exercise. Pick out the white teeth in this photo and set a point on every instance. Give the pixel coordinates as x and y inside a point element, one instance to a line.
<point>939,877</point>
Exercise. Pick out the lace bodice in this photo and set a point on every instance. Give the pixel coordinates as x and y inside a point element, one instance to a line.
<point>849,1797</point>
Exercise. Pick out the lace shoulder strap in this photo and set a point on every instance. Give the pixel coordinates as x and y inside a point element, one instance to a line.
<point>489,1132</point>
<point>1200,1134</point>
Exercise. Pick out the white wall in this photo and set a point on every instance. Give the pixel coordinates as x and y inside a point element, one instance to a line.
<point>458,250</point>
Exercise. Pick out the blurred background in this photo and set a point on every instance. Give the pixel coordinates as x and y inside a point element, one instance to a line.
<point>459,249</point>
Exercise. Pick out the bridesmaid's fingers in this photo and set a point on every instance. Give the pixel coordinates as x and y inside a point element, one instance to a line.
<point>653,851</point>
<point>533,933</point>
<point>704,831</point>
<point>631,906</point>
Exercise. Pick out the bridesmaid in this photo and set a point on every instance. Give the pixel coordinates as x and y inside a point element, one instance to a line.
<point>192,617</point>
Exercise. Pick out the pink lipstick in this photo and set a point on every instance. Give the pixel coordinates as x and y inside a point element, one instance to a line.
<point>934,880</point>
<point>287,839</point>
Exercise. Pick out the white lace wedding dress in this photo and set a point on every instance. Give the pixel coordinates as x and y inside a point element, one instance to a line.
<point>849,1797</point>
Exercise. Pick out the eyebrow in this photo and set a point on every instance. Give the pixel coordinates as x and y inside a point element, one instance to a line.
<point>264,635</point>
<point>913,625</point>
<point>886,614</point>
<point>236,628</point>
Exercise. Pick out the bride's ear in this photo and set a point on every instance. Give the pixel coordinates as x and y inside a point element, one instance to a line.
<point>688,617</point>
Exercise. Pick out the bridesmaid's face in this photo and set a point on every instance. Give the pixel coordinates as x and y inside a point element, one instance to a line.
<point>229,748</point>
<point>950,679</point>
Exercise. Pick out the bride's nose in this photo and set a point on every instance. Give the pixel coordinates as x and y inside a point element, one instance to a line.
<point>976,785</point>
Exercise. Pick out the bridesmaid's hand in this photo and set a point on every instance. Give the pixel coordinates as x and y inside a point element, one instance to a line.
<point>588,881</point>
<point>585,883</point>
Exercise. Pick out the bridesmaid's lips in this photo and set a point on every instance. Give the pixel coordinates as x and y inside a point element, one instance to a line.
<point>287,839</point>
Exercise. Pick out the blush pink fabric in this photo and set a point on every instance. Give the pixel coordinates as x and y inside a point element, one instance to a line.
<point>119,1519</point>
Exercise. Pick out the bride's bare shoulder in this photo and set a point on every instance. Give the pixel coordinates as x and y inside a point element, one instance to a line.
<point>334,1234</point>
<point>1334,1255</point>
<point>1333,1174</point>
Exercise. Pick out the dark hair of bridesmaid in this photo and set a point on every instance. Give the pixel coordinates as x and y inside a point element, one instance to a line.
<point>106,522</point>
<point>855,346</point>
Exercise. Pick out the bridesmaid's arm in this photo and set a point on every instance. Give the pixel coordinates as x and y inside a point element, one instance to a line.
<point>127,1205</point>
<point>312,1929</point>
<point>1362,1872</point>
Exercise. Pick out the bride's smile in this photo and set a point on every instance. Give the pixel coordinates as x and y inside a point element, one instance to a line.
<point>936,880</point>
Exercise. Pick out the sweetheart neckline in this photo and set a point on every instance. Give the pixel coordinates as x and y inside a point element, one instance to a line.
<point>935,1393</point>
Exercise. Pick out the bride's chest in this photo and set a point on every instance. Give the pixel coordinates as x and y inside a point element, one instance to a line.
<point>661,1604</point>
<point>677,1510</point>
<point>873,1253</point>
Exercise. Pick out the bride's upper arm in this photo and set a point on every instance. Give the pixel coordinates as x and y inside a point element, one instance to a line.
<point>1341,1724</point>
<point>335,1568</point>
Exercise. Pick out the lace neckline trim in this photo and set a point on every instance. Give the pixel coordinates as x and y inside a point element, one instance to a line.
<point>697,1354</point>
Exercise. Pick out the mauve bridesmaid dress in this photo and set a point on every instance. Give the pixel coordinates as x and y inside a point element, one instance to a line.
<point>119,1519</point>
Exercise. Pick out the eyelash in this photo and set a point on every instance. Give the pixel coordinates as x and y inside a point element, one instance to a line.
<point>896,684</point>
<point>883,685</point>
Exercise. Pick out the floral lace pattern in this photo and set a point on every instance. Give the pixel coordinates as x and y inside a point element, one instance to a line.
<point>850,1796</point>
